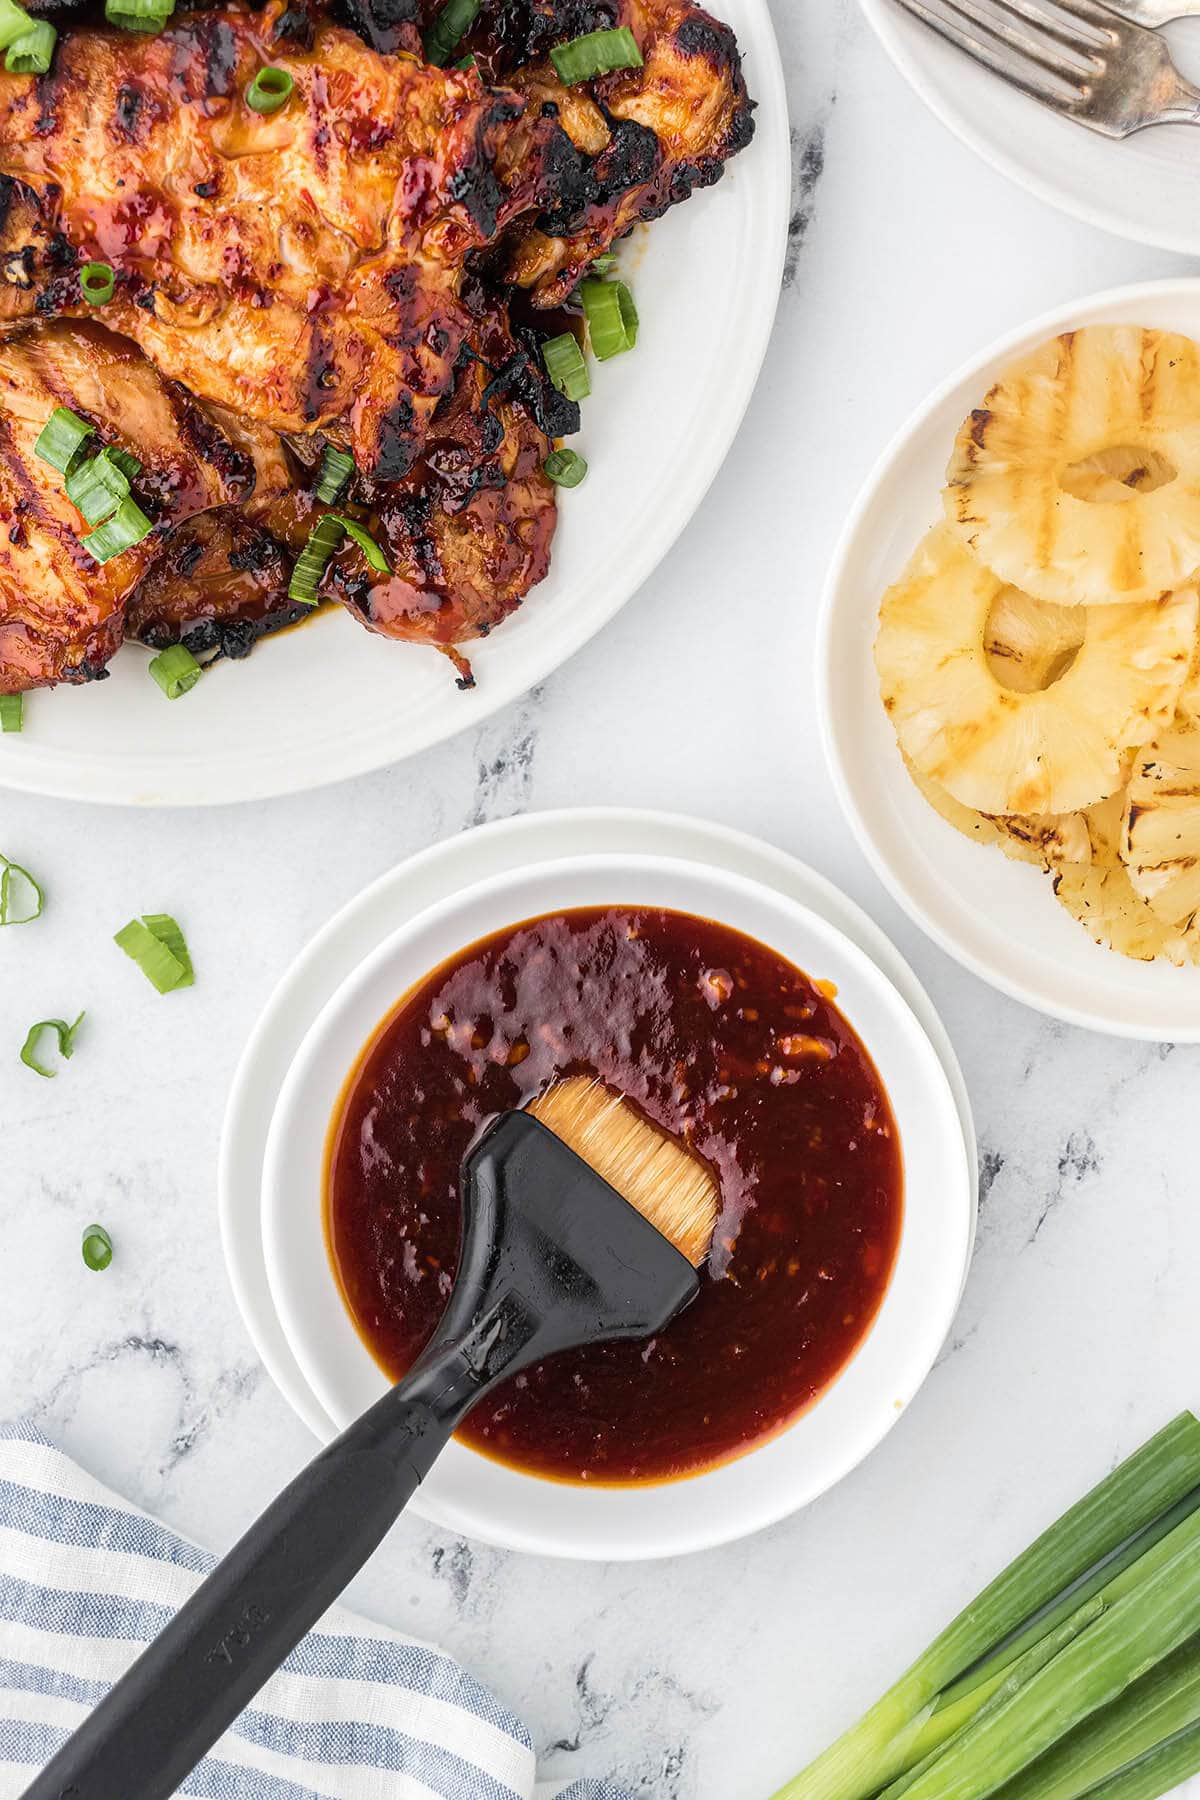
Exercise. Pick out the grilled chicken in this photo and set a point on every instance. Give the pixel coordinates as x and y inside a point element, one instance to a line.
<point>301,267</point>
<point>332,272</point>
<point>61,613</point>
<point>650,135</point>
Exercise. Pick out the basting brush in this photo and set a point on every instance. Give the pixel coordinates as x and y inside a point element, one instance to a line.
<point>582,1223</point>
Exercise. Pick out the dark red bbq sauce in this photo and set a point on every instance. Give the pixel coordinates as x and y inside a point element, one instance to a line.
<point>717,1039</point>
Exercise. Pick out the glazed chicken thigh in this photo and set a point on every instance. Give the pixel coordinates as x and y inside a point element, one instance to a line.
<point>343,272</point>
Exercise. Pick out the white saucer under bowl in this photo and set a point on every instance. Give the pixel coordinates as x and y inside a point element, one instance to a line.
<point>361,963</point>
<point>999,918</point>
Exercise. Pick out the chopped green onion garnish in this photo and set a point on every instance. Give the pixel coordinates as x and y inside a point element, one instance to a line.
<point>596,53</point>
<point>448,30</point>
<point>97,1248</point>
<point>566,468</point>
<point>323,540</point>
<point>176,671</point>
<point>337,466</point>
<point>148,16</point>
<point>14,23</point>
<point>565,366</point>
<point>97,283</point>
<point>127,527</point>
<point>611,316</point>
<point>157,946</point>
<point>13,872</point>
<point>604,264</point>
<point>466,62</point>
<point>366,543</point>
<point>60,438</point>
<point>270,89</point>
<point>128,465</point>
<point>66,1043</point>
<point>166,930</point>
<point>31,53</point>
<point>12,712</point>
<point>97,487</point>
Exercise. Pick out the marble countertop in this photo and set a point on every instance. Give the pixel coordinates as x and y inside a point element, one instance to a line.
<point>709,1678</point>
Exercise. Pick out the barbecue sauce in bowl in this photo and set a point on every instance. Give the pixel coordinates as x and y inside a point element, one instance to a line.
<point>719,1040</point>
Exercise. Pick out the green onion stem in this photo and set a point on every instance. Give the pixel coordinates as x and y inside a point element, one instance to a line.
<point>1015,1727</point>
<point>1149,1714</point>
<point>156,944</point>
<point>1105,1578</point>
<point>950,1725</point>
<point>12,712</point>
<point>97,1247</point>
<point>874,1751</point>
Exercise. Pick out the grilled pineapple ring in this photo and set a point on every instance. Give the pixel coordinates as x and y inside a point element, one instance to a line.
<point>1100,894</point>
<point>1054,750</point>
<point>1078,480</point>
<point>1046,839</point>
<point>1160,843</point>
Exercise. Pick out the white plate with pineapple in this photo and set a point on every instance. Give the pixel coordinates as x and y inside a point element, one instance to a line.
<point>1022,568</point>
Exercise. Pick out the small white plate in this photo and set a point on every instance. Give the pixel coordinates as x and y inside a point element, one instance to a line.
<point>1143,188</point>
<point>999,918</point>
<point>331,700</point>
<point>467,1493</point>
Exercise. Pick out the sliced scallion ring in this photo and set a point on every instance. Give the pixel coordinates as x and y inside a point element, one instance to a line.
<point>97,283</point>
<point>33,51</point>
<point>12,875</point>
<point>127,527</point>
<point>61,438</point>
<point>611,316</point>
<point>97,1248</point>
<point>366,543</point>
<point>66,1043</point>
<point>323,540</point>
<point>156,944</point>
<point>565,366</point>
<point>337,466</point>
<point>449,29</point>
<point>270,89</point>
<point>603,264</point>
<point>596,53</point>
<point>97,487</point>
<point>14,23</point>
<point>146,16</point>
<point>12,712</point>
<point>128,465</point>
<point>566,468</point>
<point>176,671</point>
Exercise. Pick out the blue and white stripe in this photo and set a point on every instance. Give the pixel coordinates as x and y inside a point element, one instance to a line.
<point>356,1712</point>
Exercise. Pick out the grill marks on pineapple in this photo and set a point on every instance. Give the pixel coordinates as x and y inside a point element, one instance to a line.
<point>1052,749</point>
<point>1021,485</point>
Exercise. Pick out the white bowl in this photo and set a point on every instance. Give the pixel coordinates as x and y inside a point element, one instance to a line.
<point>479,1497</point>
<point>999,918</point>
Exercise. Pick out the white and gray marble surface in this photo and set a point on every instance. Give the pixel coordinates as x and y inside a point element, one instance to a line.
<point>709,1678</point>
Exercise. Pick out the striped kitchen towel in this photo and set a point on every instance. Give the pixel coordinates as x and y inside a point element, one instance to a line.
<point>356,1713</point>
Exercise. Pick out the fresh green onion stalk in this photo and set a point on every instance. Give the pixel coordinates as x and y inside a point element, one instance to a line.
<point>1059,1645</point>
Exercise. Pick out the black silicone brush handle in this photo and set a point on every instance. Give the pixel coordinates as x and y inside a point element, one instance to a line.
<point>191,1683</point>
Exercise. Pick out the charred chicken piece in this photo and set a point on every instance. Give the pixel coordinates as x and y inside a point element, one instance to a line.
<point>61,612</point>
<point>301,267</point>
<point>468,531</point>
<point>219,585</point>
<point>652,135</point>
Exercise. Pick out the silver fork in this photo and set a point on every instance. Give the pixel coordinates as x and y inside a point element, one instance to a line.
<point>1077,56</point>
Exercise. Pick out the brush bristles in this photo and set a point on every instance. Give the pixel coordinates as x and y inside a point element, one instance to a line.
<point>667,1184</point>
